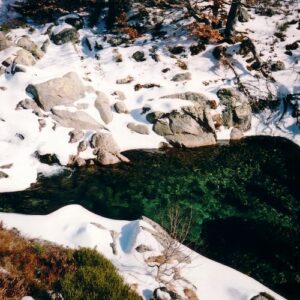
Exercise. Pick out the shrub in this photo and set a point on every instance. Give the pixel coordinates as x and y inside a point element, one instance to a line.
<point>95,279</point>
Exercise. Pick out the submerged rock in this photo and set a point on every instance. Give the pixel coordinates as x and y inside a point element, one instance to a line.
<point>59,91</point>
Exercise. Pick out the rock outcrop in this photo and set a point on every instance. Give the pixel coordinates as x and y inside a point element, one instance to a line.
<point>59,91</point>
<point>237,112</point>
<point>190,127</point>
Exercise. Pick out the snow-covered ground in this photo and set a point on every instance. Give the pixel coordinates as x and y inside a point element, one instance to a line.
<point>208,76</point>
<point>74,226</point>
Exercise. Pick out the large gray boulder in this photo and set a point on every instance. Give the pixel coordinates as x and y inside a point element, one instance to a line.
<point>25,58</point>
<point>4,42</point>
<point>103,106</point>
<point>27,44</point>
<point>190,96</point>
<point>187,128</point>
<point>237,112</point>
<point>59,91</point>
<point>182,77</point>
<point>79,120</point>
<point>65,36</point>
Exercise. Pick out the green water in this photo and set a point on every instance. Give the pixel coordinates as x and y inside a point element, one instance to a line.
<point>244,198</point>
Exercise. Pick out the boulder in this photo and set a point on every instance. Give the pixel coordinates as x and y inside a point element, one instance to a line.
<point>75,136</point>
<point>184,124</point>
<point>237,110</point>
<point>107,158</point>
<point>139,56</point>
<point>176,50</point>
<point>79,120</point>
<point>162,127</point>
<point>59,91</point>
<point>143,248</point>
<point>236,134</point>
<point>27,44</point>
<point>105,142</point>
<point>121,107</point>
<point>189,96</point>
<point>243,15</point>
<point>30,104</point>
<point>190,140</point>
<point>154,116</point>
<point>82,146</point>
<point>182,77</point>
<point>103,106</point>
<point>65,36</point>
<point>138,128</point>
<point>4,42</point>
<point>25,58</point>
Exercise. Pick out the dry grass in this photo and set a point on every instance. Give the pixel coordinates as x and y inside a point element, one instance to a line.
<point>29,266</point>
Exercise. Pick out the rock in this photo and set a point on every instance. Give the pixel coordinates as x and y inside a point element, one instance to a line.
<point>25,58</point>
<point>74,20</point>
<point>243,15</point>
<point>189,96</point>
<point>117,56</point>
<point>182,77</point>
<point>119,95</point>
<point>292,46</point>
<point>79,120</point>
<point>82,146</point>
<point>121,108</point>
<point>75,136</point>
<point>197,48</point>
<point>125,80</point>
<point>27,44</point>
<point>103,107</point>
<point>59,91</point>
<point>4,42</point>
<point>42,124</point>
<point>162,127</point>
<point>219,52</point>
<point>176,50</point>
<point>138,128</point>
<point>237,110</point>
<point>7,166</point>
<point>143,248</point>
<point>190,140</point>
<point>263,296</point>
<point>236,134</point>
<point>139,56</point>
<point>105,142</point>
<point>107,158</point>
<point>162,293</point>
<point>3,175</point>
<point>116,41</point>
<point>45,46</point>
<point>154,116</point>
<point>277,66</point>
<point>65,36</point>
<point>184,124</point>
<point>79,162</point>
<point>181,64</point>
<point>7,62</point>
<point>30,104</point>
<point>165,70</point>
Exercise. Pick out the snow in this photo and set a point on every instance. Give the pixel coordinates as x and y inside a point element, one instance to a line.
<point>101,74</point>
<point>74,226</point>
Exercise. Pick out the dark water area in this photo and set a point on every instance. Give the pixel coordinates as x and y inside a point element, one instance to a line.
<point>244,198</point>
